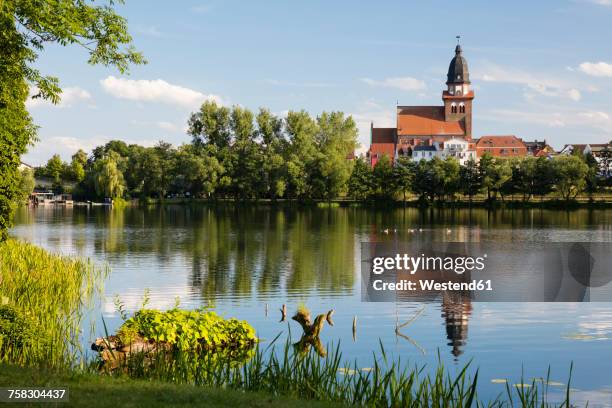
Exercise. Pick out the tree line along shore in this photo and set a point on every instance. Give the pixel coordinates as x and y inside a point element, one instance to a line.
<point>240,155</point>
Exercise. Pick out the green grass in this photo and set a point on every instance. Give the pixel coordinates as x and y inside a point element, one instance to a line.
<point>297,374</point>
<point>91,390</point>
<point>52,292</point>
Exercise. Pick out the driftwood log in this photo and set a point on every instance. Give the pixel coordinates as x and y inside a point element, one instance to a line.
<point>113,352</point>
<point>310,337</point>
<point>313,329</point>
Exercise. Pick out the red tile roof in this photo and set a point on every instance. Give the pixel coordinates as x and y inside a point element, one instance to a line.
<point>501,146</point>
<point>426,121</point>
<point>382,148</point>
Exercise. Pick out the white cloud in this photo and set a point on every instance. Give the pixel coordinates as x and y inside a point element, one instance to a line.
<point>574,94</point>
<point>598,69</point>
<point>402,83</point>
<point>156,90</point>
<point>535,84</point>
<point>70,96</point>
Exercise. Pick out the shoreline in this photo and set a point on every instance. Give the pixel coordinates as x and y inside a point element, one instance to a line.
<point>553,204</point>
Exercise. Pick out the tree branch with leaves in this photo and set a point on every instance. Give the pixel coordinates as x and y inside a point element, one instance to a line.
<point>26,28</point>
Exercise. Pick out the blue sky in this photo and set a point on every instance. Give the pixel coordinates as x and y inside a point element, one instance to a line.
<point>540,69</point>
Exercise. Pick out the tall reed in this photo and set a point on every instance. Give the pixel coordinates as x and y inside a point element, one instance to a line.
<point>289,372</point>
<point>52,291</point>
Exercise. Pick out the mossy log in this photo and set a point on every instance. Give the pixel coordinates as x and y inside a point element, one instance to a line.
<point>113,351</point>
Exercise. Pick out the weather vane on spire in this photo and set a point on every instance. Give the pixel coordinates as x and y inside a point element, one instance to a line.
<point>458,37</point>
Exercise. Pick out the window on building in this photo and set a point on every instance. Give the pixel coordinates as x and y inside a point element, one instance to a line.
<point>453,108</point>
<point>462,108</point>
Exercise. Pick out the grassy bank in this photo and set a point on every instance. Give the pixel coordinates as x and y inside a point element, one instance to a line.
<point>49,294</point>
<point>297,371</point>
<point>93,390</point>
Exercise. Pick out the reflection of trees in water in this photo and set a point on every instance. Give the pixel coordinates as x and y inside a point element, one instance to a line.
<point>234,249</point>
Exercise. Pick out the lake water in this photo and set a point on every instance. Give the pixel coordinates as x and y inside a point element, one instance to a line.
<point>242,258</point>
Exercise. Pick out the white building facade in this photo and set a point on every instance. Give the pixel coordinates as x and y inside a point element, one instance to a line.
<point>457,148</point>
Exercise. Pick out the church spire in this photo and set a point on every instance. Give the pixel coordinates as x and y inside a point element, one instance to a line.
<point>458,95</point>
<point>458,69</point>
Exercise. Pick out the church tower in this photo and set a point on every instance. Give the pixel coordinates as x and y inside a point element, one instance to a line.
<point>458,96</point>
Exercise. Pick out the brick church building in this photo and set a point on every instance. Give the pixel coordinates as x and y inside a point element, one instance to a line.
<point>428,128</point>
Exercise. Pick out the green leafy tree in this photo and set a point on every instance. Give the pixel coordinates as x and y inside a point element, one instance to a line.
<point>384,179</point>
<point>269,130</point>
<point>361,181</point>
<point>524,177</point>
<point>55,168</point>
<point>165,160</point>
<point>494,173</point>
<point>194,173</point>
<point>108,179</point>
<point>26,27</point>
<point>77,166</point>
<point>134,174</point>
<point>248,177</point>
<point>485,168</point>
<point>336,139</point>
<point>210,129</point>
<point>301,154</point>
<point>570,175</point>
<point>424,184</point>
<point>210,126</point>
<point>469,179</point>
<point>403,175</point>
<point>80,157</point>
<point>77,171</point>
<point>26,184</point>
<point>446,176</point>
<point>150,172</point>
<point>591,178</point>
<point>544,178</point>
<point>119,147</point>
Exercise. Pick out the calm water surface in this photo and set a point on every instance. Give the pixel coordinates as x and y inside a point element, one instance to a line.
<point>242,258</point>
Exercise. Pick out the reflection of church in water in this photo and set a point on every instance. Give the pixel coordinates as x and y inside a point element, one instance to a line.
<point>456,306</point>
<point>456,312</point>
